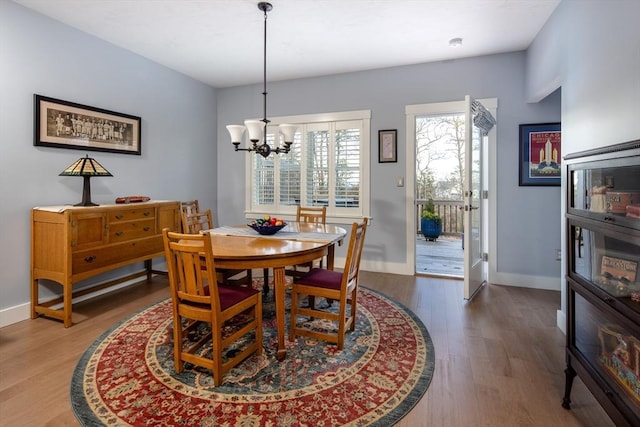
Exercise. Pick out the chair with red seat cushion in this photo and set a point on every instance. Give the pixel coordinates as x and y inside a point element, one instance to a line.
<point>340,287</point>
<point>308,214</point>
<point>197,297</point>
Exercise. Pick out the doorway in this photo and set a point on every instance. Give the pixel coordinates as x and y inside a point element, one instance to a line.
<point>421,115</point>
<point>439,179</point>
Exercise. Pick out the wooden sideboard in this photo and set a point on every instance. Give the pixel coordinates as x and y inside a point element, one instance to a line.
<point>73,243</point>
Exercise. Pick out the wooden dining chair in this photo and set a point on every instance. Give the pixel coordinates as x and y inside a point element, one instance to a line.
<point>197,298</point>
<point>316,215</point>
<point>197,222</point>
<point>341,287</point>
<point>189,207</point>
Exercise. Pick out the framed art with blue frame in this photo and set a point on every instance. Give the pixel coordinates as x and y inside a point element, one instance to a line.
<point>540,154</point>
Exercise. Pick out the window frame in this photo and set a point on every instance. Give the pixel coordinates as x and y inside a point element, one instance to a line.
<point>334,215</point>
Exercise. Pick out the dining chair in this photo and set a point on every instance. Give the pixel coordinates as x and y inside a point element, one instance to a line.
<point>314,214</point>
<point>197,222</point>
<point>341,287</point>
<point>189,207</point>
<point>198,299</point>
<point>304,214</point>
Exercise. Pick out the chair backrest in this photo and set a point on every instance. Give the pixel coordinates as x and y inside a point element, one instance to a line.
<point>354,253</point>
<point>317,215</point>
<point>196,222</point>
<point>192,206</point>
<point>189,282</point>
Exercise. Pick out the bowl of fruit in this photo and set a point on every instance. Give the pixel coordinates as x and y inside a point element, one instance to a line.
<point>267,225</point>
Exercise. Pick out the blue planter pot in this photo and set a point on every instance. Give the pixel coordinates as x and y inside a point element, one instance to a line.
<point>430,229</point>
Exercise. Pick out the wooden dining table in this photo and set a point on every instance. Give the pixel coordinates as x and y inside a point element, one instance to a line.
<point>240,248</point>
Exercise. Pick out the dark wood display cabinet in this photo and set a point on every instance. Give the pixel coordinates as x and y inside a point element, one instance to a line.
<point>603,281</point>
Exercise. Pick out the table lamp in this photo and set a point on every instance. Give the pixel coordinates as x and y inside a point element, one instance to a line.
<point>86,167</point>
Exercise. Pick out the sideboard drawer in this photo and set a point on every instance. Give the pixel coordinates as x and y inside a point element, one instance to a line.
<point>131,214</point>
<point>124,231</point>
<point>93,259</point>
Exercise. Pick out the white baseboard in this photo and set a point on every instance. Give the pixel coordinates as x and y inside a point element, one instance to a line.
<point>18,313</point>
<point>524,281</point>
<point>561,321</point>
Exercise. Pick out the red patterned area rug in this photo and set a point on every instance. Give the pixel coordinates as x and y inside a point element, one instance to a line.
<point>127,378</point>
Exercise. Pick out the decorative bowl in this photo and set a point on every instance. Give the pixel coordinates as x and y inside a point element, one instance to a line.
<point>267,230</point>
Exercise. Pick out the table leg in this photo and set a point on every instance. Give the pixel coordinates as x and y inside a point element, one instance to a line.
<point>279,291</point>
<point>330,255</point>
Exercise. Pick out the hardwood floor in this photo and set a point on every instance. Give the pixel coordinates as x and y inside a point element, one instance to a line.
<point>499,358</point>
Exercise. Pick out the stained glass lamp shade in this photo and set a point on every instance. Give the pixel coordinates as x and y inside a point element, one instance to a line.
<point>86,167</point>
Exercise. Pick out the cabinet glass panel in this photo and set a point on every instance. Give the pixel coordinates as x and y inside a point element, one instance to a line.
<point>609,263</point>
<point>611,349</point>
<point>609,187</point>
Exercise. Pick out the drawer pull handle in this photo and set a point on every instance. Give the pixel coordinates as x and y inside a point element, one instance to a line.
<point>119,233</point>
<point>147,228</point>
<point>90,259</point>
<point>119,216</point>
<point>147,213</point>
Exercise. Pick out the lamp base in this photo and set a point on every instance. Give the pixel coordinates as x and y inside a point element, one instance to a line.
<point>89,203</point>
<point>86,193</point>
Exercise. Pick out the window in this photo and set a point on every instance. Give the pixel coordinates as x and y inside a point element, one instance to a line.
<point>328,165</point>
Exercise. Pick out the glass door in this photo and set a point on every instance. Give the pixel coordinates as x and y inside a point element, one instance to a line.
<point>478,124</point>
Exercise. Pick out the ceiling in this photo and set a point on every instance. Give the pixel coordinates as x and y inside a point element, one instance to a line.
<point>220,42</point>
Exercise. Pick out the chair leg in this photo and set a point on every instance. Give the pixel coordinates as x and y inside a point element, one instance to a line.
<point>354,309</point>
<point>177,345</point>
<point>293,315</point>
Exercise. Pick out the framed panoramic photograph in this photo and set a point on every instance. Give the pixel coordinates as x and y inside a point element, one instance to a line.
<point>540,154</point>
<point>387,146</point>
<point>64,124</point>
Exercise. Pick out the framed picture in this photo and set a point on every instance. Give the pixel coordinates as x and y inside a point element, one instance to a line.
<point>64,124</point>
<point>540,154</point>
<point>387,146</point>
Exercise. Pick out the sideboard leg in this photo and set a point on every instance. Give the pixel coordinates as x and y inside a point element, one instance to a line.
<point>67,296</point>
<point>149,267</point>
<point>570,374</point>
<point>34,297</point>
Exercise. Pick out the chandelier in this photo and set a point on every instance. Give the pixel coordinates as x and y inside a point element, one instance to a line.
<point>257,129</point>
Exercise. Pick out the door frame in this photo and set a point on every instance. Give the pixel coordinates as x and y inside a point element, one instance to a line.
<point>490,239</point>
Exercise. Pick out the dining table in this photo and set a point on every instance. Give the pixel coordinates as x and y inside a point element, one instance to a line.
<point>239,247</point>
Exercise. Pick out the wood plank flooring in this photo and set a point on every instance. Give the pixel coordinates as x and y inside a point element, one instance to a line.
<point>499,358</point>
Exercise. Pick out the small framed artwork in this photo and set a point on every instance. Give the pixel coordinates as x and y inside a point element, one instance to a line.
<point>64,124</point>
<point>540,154</point>
<point>387,146</point>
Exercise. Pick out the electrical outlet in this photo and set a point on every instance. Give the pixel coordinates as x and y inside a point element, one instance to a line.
<point>558,254</point>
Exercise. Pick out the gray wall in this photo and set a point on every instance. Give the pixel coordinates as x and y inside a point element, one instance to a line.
<point>39,55</point>
<point>525,214</point>
<point>591,49</point>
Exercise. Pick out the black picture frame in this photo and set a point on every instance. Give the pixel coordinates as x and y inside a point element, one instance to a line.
<point>64,124</point>
<point>388,146</point>
<point>540,154</point>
